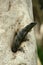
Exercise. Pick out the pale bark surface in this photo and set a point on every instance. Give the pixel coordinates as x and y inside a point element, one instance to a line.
<point>14,15</point>
<point>39,63</point>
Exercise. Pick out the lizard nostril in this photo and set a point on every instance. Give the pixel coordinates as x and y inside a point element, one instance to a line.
<point>14,50</point>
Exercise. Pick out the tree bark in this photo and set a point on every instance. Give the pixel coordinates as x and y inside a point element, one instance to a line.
<point>15,15</point>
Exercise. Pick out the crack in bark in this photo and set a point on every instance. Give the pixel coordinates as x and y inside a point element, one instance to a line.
<point>9,6</point>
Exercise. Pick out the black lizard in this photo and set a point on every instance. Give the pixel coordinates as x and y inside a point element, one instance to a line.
<point>21,36</point>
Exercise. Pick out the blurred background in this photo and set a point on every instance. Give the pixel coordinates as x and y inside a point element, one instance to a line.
<point>38,17</point>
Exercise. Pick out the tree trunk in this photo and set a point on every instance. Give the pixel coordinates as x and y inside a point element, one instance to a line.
<point>15,15</point>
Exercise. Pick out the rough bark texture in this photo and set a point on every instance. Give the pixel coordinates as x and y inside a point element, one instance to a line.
<point>14,15</point>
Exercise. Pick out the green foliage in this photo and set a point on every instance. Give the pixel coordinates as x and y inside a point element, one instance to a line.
<point>40,53</point>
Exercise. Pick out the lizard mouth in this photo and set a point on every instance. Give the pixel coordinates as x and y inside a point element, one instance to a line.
<point>21,36</point>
